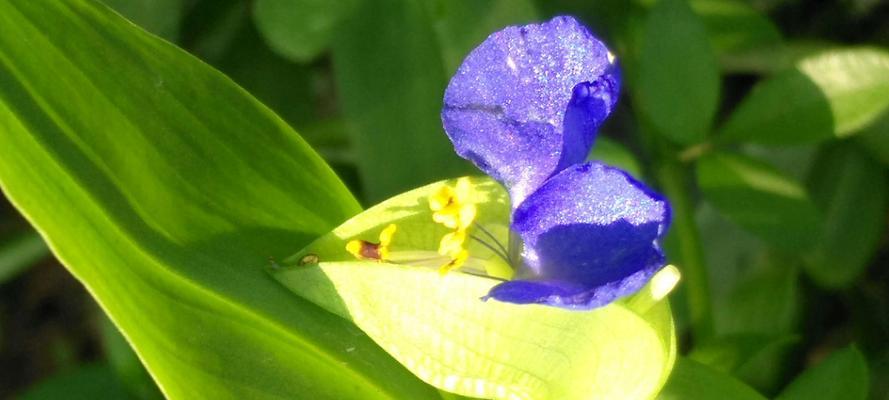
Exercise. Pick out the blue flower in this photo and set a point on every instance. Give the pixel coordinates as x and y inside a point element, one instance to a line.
<point>525,107</point>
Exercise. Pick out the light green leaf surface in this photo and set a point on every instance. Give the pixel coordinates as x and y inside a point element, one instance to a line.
<point>438,327</point>
<point>677,84</point>
<point>760,199</point>
<point>692,380</point>
<point>613,153</point>
<point>841,376</point>
<point>163,187</point>
<point>831,94</point>
<point>850,188</point>
<point>301,29</point>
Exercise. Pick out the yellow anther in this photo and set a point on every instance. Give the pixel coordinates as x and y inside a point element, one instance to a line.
<point>364,250</point>
<point>452,243</point>
<point>354,248</point>
<point>386,235</point>
<point>456,262</point>
<point>452,207</point>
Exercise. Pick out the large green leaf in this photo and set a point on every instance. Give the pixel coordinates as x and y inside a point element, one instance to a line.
<point>438,327</point>
<point>162,186</point>
<point>842,376</point>
<point>677,85</point>
<point>692,380</point>
<point>831,94</point>
<point>759,198</point>
<point>851,190</point>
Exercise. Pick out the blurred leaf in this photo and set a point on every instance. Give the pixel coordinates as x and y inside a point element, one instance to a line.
<point>842,376</point>
<point>677,86</point>
<point>730,352</point>
<point>613,153</point>
<point>126,365</point>
<point>87,382</point>
<point>19,253</point>
<point>733,25</point>
<point>759,198</point>
<point>769,59</point>
<point>391,81</point>
<point>692,380</point>
<point>162,186</point>
<point>211,25</point>
<point>875,139</point>
<point>300,29</point>
<point>462,25</point>
<point>439,328</point>
<point>764,302</point>
<point>160,17</point>
<point>831,94</point>
<point>851,190</point>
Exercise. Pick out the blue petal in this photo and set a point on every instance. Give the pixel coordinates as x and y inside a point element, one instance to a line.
<point>591,235</point>
<point>528,101</point>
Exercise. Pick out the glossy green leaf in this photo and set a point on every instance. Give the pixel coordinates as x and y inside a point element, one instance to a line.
<point>19,253</point>
<point>301,29</point>
<point>692,380</point>
<point>439,328</point>
<point>841,376</point>
<point>851,190</point>
<point>830,94</point>
<point>759,198</point>
<point>677,84</point>
<point>163,187</point>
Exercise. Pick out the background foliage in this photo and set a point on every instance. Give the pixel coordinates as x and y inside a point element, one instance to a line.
<point>764,121</point>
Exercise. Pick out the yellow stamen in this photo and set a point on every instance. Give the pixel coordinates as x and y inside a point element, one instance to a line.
<point>456,262</point>
<point>452,243</point>
<point>364,250</point>
<point>452,207</point>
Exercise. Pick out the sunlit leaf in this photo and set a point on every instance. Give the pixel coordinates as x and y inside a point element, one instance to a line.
<point>440,329</point>
<point>162,186</point>
<point>831,94</point>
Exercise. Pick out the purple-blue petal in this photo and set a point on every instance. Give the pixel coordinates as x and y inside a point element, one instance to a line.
<point>528,101</point>
<point>591,235</point>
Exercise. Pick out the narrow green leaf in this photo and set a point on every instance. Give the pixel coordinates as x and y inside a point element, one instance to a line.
<point>439,328</point>
<point>760,199</point>
<point>851,190</point>
<point>162,186</point>
<point>677,86</point>
<point>19,253</point>
<point>692,380</point>
<point>301,29</point>
<point>830,94</point>
<point>842,376</point>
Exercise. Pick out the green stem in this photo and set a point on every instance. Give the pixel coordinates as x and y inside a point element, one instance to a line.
<point>674,179</point>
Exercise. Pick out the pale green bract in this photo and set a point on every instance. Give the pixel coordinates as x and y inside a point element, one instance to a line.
<point>439,328</point>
